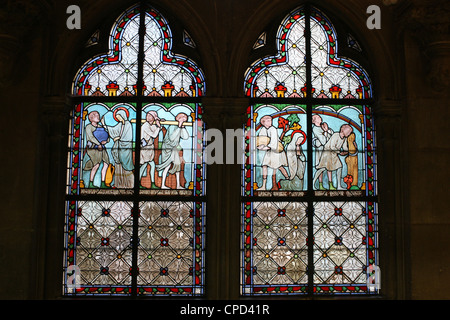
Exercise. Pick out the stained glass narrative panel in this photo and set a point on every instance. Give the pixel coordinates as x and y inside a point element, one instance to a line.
<point>102,149</point>
<point>276,157</point>
<point>343,150</point>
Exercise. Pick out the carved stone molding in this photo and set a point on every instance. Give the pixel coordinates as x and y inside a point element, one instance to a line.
<point>55,117</point>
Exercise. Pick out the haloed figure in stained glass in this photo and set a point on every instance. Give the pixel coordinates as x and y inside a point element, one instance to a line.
<point>149,131</point>
<point>170,154</point>
<point>329,159</point>
<point>122,151</point>
<point>97,137</point>
<point>275,156</point>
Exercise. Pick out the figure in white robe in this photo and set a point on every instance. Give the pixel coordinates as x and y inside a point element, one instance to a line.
<point>149,131</point>
<point>170,156</point>
<point>275,156</point>
<point>296,162</point>
<point>122,151</point>
<point>321,134</point>
<point>329,160</point>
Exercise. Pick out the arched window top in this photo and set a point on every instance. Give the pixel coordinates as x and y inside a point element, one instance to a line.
<point>116,73</point>
<point>285,73</point>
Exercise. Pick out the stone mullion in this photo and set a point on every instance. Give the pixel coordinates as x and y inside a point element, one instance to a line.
<point>223,208</point>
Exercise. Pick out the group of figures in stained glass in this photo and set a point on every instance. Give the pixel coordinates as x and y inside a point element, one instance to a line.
<point>166,146</point>
<point>281,148</point>
<point>104,151</point>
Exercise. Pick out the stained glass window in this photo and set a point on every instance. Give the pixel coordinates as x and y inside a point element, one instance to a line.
<point>309,193</point>
<point>187,39</point>
<point>261,41</point>
<point>135,198</point>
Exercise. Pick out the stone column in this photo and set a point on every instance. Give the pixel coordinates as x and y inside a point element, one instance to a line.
<point>223,203</point>
<point>392,180</point>
<point>49,199</point>
<point>426,35</point>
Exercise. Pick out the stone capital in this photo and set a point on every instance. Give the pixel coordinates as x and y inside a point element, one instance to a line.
<point>55,116</point>
<point>388,117</point>
<point>428,23</point>
<point>225,113</point>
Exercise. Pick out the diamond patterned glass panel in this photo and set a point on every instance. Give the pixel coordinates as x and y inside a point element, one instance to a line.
<point>100,246</point>
<point>341,245</point>
<point>114,73</point>
<point>275,254</point>
<point>283,75</point>
<point>170,254</point>
<point>333,76</point>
